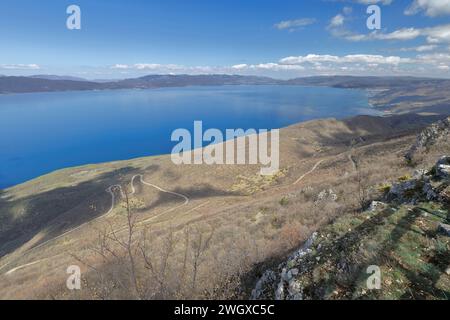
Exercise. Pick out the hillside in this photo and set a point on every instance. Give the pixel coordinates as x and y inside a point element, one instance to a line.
<point>407,237</point>
<point>204,227</point>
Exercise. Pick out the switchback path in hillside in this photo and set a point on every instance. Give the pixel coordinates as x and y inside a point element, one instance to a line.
<point>111,190</point>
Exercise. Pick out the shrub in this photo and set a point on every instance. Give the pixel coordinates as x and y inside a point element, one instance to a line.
<point>384,188</point>
<point>284,201</point>
<point>277,222</point>
<point>404,178</point>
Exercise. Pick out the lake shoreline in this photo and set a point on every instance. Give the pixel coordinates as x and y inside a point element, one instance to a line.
<point>66,129</point>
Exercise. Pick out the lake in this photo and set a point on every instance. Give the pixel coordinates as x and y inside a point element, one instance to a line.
<point>42,132</point>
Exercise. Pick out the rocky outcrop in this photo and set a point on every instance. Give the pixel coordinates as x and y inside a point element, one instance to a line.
<point>376,206</point>
<point>412,191</point>
<point>443,167</point>
<point>445,229</point>
<point>429,137</point>
<point>424,186</point>
<point>282,284</point>
<point>285,282</point>
<point>326,196</point>
<point>445,195</point>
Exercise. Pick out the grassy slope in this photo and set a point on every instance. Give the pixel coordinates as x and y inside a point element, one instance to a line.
<point>403,239</point>
<point>252,216</point>
<point>404,242</point>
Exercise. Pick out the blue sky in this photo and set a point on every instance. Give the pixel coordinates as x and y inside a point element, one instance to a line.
<point>278,38</point>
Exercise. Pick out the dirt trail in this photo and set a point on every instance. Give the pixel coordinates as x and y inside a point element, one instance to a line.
<point>110,190</point>
<point>114,188</point>
<point>309,172</point>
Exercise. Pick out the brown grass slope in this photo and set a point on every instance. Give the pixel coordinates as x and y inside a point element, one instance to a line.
<point>234,219</point>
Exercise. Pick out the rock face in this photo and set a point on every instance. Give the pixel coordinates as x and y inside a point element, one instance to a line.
<point>445,229</point>
<point>282,284</point>
<point>443,167</point>
<point>424,186</point>
<point>326,196</point>
<point>445,195</point>
<point>428,137</point>
<point>412,191</point>
<point>263,286</point>
<point>287,280</point>
<point>377,205</point>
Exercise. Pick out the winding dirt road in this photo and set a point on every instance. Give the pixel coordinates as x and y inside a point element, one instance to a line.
<point>111,190</point>
<point>117,188</point>
<point>309,172</point>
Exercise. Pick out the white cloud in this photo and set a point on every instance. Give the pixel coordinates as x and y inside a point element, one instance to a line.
<point>337,21</point>
<point>425,63</point>
<point>401,34</point>
<point>431,8</point>
<point>311,58</point>
<point>294,24</point>
<point>368,64</point>
<point>120,66</point>
<point>434,35</point>
<point>376,59</point>
<point>368,2</point>
<point>347,10</point>
<point>20,66</point>
<point>437,34</point>
<point>147,66</point>
<point>156,66</point>
<point>240,66</point>
<point>348,59</point>
<point>423,48</point>
<point>435,58</point>
<point>271,66</point>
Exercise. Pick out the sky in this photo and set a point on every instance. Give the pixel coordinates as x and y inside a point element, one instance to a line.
<point>277,38</point>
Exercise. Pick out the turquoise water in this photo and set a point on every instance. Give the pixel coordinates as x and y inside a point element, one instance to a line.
<point>42,132</point>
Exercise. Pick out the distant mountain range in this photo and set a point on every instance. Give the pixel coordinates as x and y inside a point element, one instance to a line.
<point>53,77</point>
<point>367,82</point>
<point>56,83</point>
<point>50,83</point>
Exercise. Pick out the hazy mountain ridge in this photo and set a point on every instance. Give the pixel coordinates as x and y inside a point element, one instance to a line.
<point>39,83</point>
<point>367,82</point>
<point>53,83</point>
<point>393,95</point>
<point>55,77</point>
<point>29,85</point>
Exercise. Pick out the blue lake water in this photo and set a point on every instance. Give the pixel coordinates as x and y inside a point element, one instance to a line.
<point>42,132</point>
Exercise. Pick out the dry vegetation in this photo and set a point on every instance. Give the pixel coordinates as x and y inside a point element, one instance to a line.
<point>153,247</point>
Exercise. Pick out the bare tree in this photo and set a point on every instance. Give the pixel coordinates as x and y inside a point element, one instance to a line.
<point>138,264</point>
<point>159,273</point>
<point>117,251</point>
<point>199,245</point>
<point>361,180</point>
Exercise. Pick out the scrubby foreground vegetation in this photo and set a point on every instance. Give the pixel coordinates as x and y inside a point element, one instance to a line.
<point>407,238</point>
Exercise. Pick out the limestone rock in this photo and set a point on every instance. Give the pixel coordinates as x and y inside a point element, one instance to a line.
<point>443,167</point>
<point>428,137</point>
<point>445,229</point>
<point>282,284</point>
<point>326,196</point>
<point>377,205</point>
